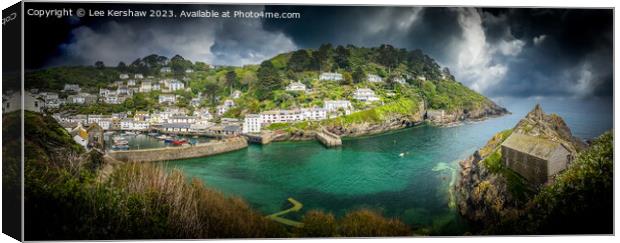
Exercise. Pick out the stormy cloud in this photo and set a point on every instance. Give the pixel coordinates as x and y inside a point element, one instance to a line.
<point>498,52</point>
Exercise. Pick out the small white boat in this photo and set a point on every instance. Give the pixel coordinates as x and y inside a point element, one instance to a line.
<point>402,155</point>
<point>130,133</point>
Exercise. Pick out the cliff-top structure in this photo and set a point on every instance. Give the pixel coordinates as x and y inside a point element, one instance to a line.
<point>501,178</point>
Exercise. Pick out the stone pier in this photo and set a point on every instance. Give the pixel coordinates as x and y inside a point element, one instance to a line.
<point>181,152</point>
<point>328,138</point>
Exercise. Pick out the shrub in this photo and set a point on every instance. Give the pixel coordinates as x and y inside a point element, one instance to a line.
<point>366,223</point>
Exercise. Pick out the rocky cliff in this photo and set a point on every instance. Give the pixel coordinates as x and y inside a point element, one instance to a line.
<point>436,117</point>
<point>487,193</point>
<point>442,117</point>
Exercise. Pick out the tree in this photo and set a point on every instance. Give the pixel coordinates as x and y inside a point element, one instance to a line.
<point>201,66</point>
<point>341,58</point>
<point>178,64</point>
<point>347,79</point>
<point>358,75</point>
<point>323,56</point>
<point>122,67</point>
<point>268,80</point>
<point>387,56</point>
<point>300,61</point>
<point>231,78</point>
<point>211,91</point>
<point>99,65</point>
<point>390,81</point>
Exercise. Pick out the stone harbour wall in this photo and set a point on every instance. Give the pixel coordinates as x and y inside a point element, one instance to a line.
<point>181,152</point>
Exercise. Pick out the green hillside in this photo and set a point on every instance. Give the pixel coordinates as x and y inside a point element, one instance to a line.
<point>263,85</point>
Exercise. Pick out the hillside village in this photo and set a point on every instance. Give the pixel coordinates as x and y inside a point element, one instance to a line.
<point>175,119</point>
<point>177,96</point>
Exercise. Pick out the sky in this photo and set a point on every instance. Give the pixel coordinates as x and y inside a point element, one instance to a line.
<point>499,52</point>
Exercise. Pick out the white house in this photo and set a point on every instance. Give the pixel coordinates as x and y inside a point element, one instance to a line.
<point>131,82</point>
<point>145,86</point>
<point>203,114</point>
<point>53,103</point>
<point>165,70</point>
<point>229,103</point>
<point>400,80</point>
<point>236,94</point>
<point>156,86</point>
<point>140,125</point>
<point>282,116</point>
<point>174,85</point>
<point>189,70</point>
<point>123,76</point>
<point>314,114</point>
<point>76,99</point>
<point>177,127</point>
<point>334,105</point>
<point>112,99</point>
<point>365,94</point>
<point>104,121</point>
<point>195,102</point>
<point>72,87</point>
<point>138,76</point>
<point>51,99</point>
<point>122,90</point>
<point>105,92</point>
<point>330,76</point>
<point>221,109</point>
<point>181,119</point>
<point>12,102</point>
<point>252,123</point>
<point>127,124</point>
<point>167,98</point>
<point>296,86</point>
<point>421,77</point>
<point>374,78</point>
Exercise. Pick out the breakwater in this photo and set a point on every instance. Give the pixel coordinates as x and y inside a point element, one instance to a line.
<point>182,152</point>
<point>328,139</point>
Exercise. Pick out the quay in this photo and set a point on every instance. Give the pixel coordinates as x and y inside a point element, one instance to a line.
<point>182,152</point>
<point>328,138</point>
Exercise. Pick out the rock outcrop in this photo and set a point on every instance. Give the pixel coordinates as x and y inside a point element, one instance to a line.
<point>486,196</point>
<point>488,109</point>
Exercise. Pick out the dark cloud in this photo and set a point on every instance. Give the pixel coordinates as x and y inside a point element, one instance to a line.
<point>497,51</point>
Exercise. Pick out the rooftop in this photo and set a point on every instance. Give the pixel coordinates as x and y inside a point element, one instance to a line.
<point>539,147</point>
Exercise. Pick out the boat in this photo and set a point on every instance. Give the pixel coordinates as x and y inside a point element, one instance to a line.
<point>154,134</point>
<point>130,133</point>
<point>163,137</point>
<point>120,147</point>
<point>178,142</point>
<point>118,138</point>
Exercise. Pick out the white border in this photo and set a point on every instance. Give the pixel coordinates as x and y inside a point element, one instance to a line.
<point>505,3</point>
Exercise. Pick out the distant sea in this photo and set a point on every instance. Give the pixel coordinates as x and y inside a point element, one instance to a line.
<point>405,174</point>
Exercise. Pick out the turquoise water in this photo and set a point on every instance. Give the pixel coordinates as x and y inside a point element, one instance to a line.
<point>405,174</point>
